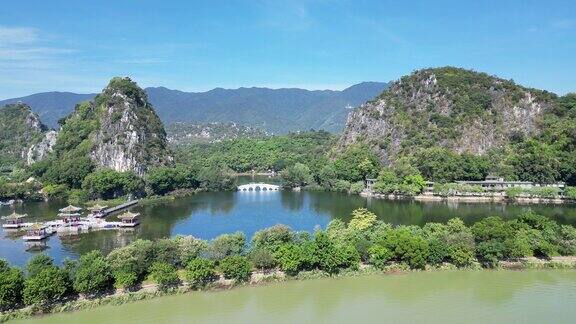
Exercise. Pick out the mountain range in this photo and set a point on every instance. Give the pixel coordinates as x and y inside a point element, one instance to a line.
<point>272,110</point>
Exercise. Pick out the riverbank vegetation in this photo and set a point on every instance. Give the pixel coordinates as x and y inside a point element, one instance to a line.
<point>363,242</point>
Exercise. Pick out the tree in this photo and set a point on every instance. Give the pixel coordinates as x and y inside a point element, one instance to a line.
<point>407,247</point>
<point>226,245</point>
<point>129,264</point>
<point>262,258</point>
<point>167,251</point>
<point>93,274</point>
<point>327,177</point>
<point>490,252</point>
<point>200,272</point>
<point>297,175</point>
<point>189,248</point>
<point>11,286</point>
<point>164,274</point>
<point>272,238</point>
<point>326,254</point>
<point>49,285</point>
<point>535,161</point>
<point>216,178</point>
<point>236,267</point>
<point>379,256</point>
<point>38,263</point>
<point>362,219</point>
<point>291,258</point>
<point>357,163</point>
<point>108,184</point>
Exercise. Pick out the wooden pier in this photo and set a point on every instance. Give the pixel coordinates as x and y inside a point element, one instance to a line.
<point>118,208</point>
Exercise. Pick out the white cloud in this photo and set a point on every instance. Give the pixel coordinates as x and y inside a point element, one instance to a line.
<point>17,35</point>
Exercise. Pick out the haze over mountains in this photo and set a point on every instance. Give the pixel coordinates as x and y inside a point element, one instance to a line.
<point>273,110</point>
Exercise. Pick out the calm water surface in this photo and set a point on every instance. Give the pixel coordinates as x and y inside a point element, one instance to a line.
<point>207,215</point>
<point>427,297</point>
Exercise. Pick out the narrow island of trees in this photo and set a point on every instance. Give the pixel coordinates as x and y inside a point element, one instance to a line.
<point>363,243</point>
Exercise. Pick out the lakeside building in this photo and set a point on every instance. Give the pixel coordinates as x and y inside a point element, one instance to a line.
<point>14,220</point>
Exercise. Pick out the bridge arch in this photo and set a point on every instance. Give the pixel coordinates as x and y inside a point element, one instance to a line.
<point>258,187</point>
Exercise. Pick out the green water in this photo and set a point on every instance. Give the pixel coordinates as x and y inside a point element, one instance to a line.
<point>427,297</point>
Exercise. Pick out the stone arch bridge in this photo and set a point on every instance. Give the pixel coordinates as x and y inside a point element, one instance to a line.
<point>258,187</point>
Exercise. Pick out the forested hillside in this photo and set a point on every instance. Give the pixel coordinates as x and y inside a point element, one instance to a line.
<point>456,124</point>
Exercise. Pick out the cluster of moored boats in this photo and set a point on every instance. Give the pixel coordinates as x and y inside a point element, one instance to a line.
<point>71,221</point>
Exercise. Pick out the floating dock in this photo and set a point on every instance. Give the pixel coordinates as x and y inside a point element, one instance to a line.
<point>67,225</point>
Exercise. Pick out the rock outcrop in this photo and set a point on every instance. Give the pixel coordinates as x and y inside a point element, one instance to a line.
<point>20,131</point>
<point>40,150</point>
<point>464,111</point>
<point>119,130</point>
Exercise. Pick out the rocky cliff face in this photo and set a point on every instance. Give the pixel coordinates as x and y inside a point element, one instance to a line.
<point>20,131</point>
<point>118,130</point>
<point>461,110</point>
<point>131,137</point>
<point>40,150</point>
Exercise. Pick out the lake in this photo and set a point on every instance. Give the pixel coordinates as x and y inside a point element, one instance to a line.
<point>209,214</point>
<point>420,297</point>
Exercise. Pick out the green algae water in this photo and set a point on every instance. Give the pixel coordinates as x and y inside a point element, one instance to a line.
<point>427,297</point>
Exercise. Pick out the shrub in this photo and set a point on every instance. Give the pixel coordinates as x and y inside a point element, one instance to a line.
<point>236,267</point>
<point>362,219</point>
<point>166,251</point>
<point>570,192</point>
<point>49,285</point>
<point>200,272</point>
<point>349,256</point>
<point>341,186</point>
<point>164,274</point>
<point>407,247</point>
<point>189,248</point>
<point>131,261</point>
<point>125,279</point>
<point>357,187</point>
<point>379,256</point>
<point>325,253</point>
<point>290,258</point>
<point>490,252</point>
<point>93,274</point>
<point>11,285</point>
<point>226,245</point>
<point>272,238</point>
<point>438,251</point>
<point>263,259</point>
<point>38,263</point>
<point>567,244</point>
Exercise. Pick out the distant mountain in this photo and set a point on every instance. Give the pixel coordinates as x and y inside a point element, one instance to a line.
<point>273,110</point>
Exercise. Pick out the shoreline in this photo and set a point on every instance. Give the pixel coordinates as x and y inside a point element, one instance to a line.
<point>470,199</point>
<point>263,278</point>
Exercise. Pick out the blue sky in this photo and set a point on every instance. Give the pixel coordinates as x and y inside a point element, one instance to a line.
<point>324,44</point>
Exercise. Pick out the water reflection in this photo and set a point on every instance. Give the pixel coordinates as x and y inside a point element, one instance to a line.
<point>207,215</point>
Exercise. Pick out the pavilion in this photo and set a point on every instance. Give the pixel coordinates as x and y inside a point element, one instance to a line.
<point>13,220</point>
<point>129,219</point>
